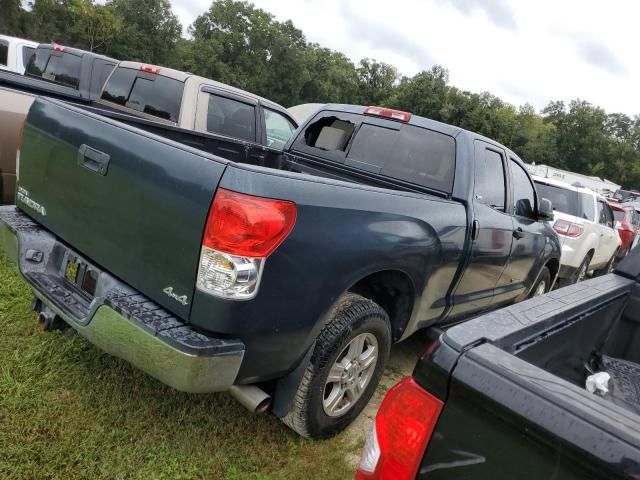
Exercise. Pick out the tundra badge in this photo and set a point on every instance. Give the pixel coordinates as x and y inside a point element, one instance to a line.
<point>23,197</point>
<point>182,299</point>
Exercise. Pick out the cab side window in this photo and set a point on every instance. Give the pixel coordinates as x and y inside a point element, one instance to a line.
<point>524,197</point>
<point>231,118</point>
<point>490,188</point>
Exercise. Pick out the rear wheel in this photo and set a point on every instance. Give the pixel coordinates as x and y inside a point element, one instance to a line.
<point>543,284</point>
<point>345,368</point>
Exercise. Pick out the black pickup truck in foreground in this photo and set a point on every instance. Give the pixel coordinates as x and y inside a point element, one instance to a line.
<point>505,395</point>
<point>285,280</point>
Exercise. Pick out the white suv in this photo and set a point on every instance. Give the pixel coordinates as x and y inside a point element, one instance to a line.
<point>584,223</point>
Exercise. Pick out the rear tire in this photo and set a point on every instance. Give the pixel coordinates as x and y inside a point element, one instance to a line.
<point>346,365</point>
<point>542,285</point>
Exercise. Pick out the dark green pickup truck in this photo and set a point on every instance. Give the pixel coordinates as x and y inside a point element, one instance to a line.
<point>283,278</point>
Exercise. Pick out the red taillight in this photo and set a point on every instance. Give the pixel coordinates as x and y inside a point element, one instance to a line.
<point>568,229</point>
<point>150,69</point>
<point>388,113</point>
<point>402,430</point>
<point>248,226</point>
<point>58,48</point>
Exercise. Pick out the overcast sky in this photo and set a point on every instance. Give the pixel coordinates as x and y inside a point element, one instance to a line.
<point>521,50</point>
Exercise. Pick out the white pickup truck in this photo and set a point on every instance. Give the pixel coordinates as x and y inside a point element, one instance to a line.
<point>15,53</point>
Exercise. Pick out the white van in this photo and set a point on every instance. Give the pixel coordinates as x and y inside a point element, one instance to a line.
<point>585,226</point>
<point>15,53</point>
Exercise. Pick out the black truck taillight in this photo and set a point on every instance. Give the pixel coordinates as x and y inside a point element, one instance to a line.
<point>401,432</point>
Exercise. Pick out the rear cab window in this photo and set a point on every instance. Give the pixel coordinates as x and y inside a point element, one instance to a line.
<point>58,67</point>
<point>149,93</point>
<point>392,149</point>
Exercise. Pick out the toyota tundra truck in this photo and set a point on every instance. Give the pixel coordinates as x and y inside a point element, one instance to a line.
<point>283,281</point>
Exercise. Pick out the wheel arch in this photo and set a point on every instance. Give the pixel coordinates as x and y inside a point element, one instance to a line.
<point>394,291</point>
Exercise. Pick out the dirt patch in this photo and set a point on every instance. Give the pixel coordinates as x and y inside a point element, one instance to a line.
<point>401,363</point>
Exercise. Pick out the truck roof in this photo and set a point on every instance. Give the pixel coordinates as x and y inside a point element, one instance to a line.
<point>74,51</point>
<point>183,76</point>
<point>29,43</point>
<point>415,120</point>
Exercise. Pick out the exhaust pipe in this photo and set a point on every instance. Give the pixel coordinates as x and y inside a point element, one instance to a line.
<point>251,397</point>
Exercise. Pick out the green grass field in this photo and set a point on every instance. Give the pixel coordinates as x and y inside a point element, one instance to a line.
<point>68,411</point>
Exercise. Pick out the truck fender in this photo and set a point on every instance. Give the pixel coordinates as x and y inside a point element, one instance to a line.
<point>287,386</point>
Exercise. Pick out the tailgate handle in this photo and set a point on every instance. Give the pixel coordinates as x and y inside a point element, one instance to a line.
<point>92,159</point>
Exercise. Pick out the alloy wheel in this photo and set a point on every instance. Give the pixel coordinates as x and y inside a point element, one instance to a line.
<point>350,374</point>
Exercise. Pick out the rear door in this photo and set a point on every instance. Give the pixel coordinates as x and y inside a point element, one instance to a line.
<point>232,121</point>
<point>132,202</point>
<point>492,231</point>
<point>529,238</point>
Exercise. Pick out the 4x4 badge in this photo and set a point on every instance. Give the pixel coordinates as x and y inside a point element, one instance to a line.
<point>182,299</point>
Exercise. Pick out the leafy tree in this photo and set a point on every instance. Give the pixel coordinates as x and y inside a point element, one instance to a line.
<point>150,30</point>
<point>377,81</point>
<point>332,77</point>
<point>95,25</point>
<point>11,15</point>
<point>236,43</point>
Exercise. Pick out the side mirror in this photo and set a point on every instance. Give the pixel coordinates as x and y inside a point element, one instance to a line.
<point>545,210</point>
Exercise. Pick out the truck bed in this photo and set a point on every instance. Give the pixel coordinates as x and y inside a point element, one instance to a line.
<point>516,402</point>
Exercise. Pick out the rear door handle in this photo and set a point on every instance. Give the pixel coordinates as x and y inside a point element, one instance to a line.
<point>93,160</point>
<point>518,233</point>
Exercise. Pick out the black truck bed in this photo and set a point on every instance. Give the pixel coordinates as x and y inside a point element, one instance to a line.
<point>516,405</point>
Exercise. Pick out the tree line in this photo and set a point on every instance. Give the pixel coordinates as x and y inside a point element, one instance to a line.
<point>236,43</point>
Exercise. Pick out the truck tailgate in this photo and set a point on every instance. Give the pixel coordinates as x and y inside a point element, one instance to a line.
<point>132,202</point>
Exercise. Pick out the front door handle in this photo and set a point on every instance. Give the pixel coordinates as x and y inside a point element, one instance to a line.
<point>518,233</point>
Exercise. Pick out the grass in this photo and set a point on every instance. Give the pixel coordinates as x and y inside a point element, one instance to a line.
<point>68,411</point>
